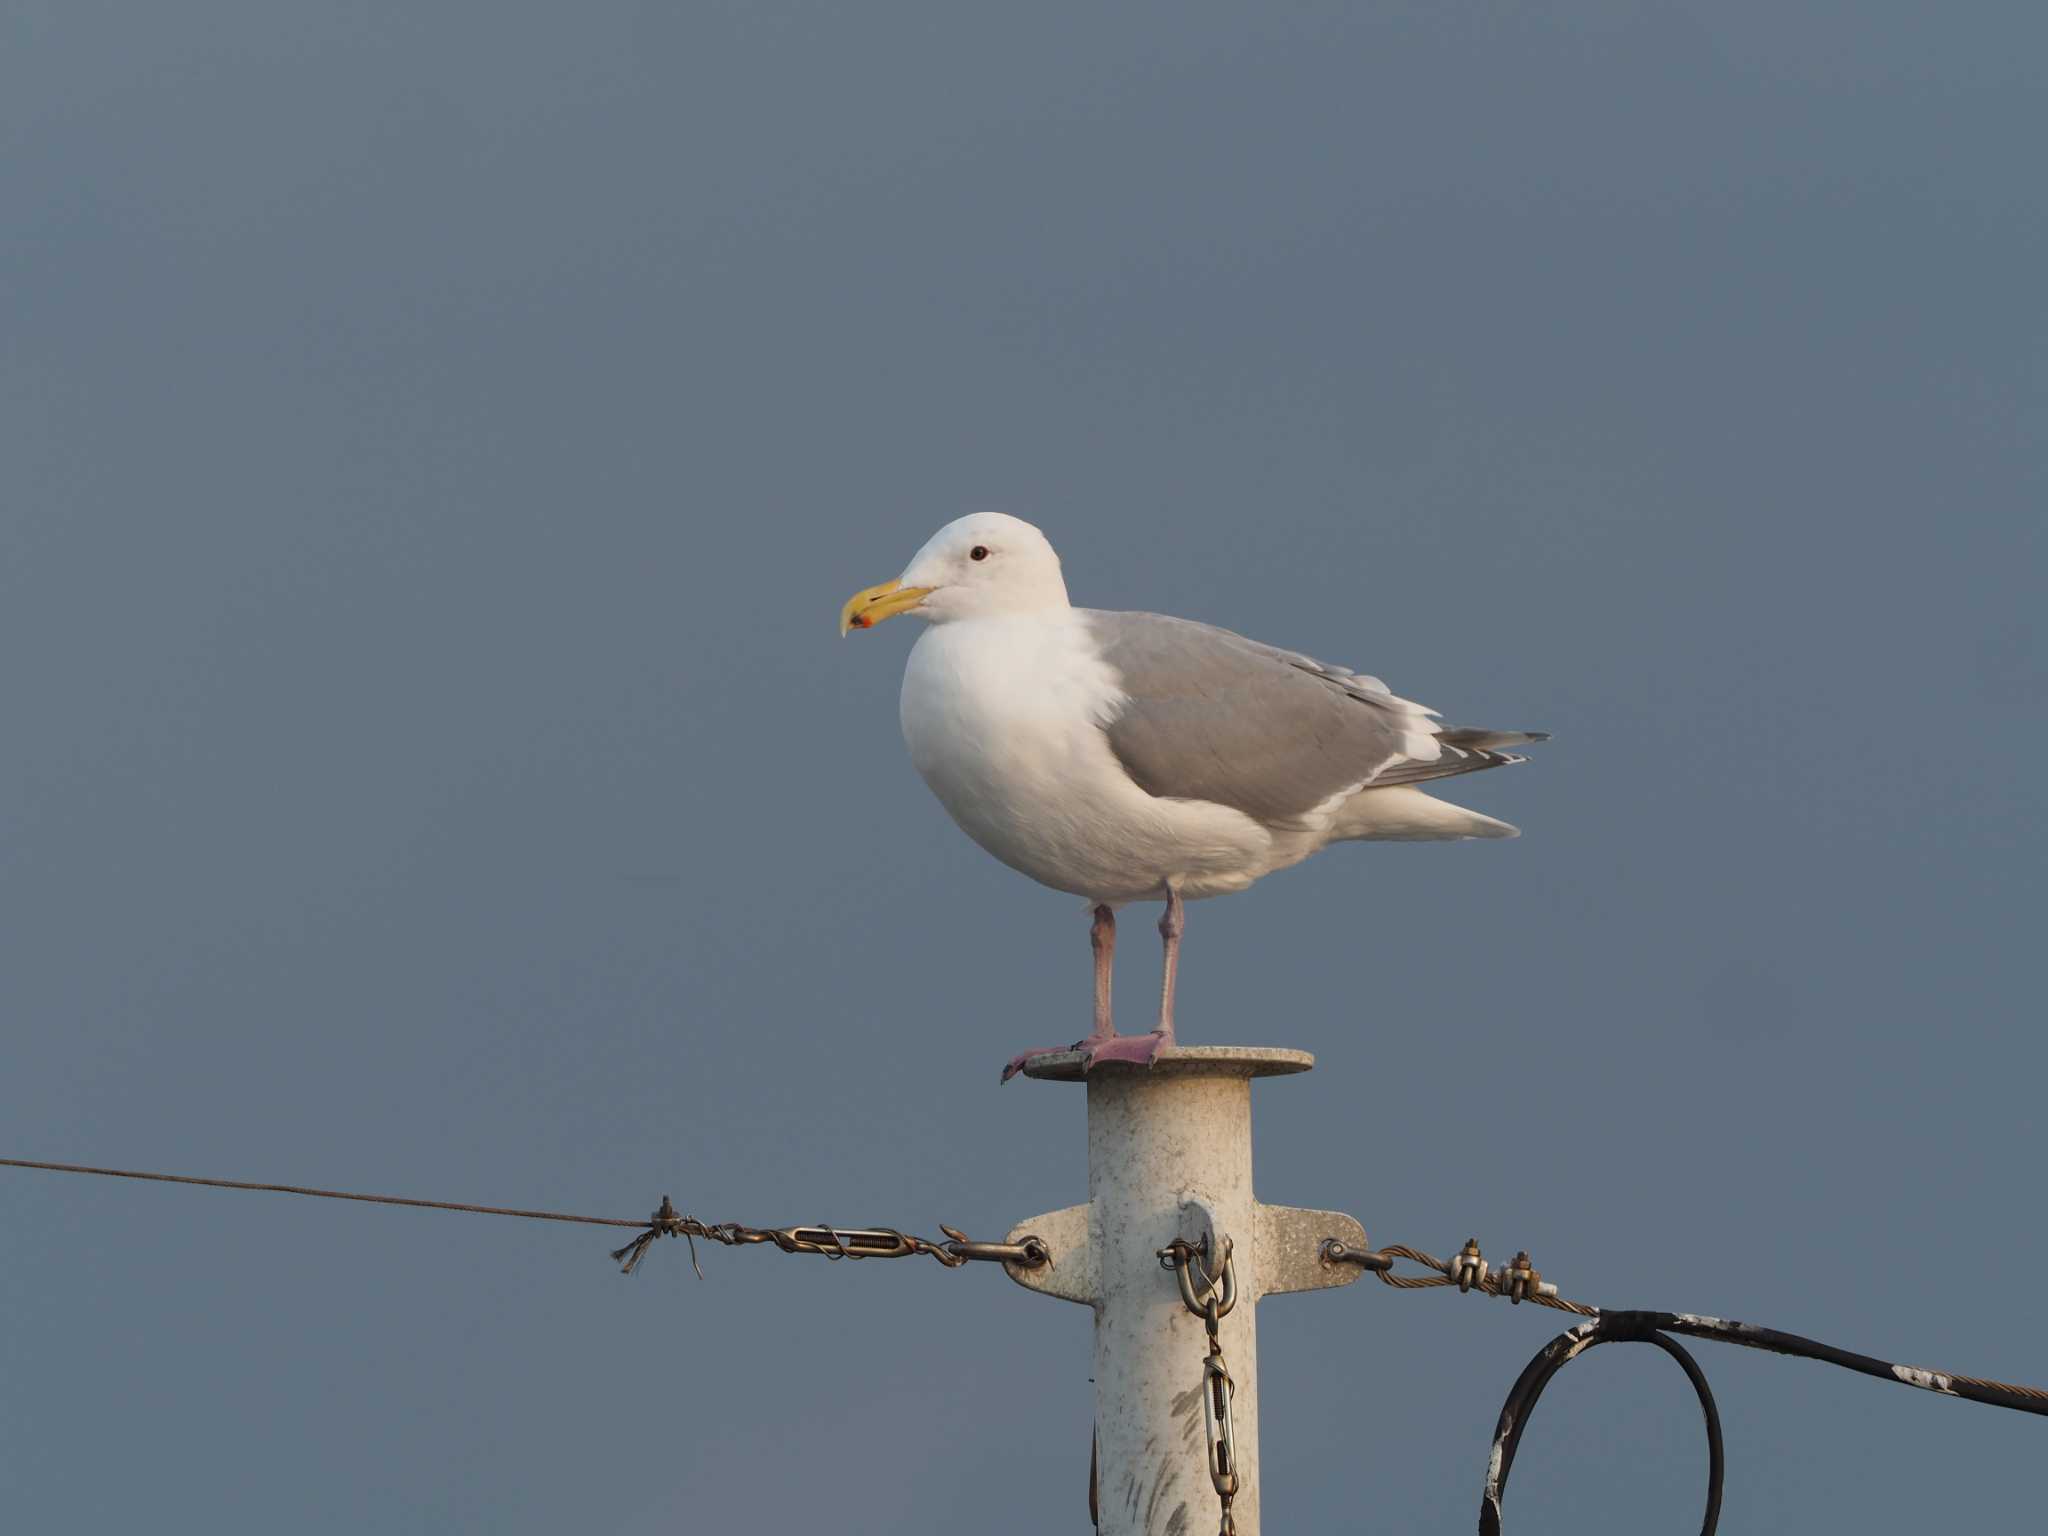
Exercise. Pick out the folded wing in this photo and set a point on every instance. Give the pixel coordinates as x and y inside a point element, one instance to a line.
<point>1211,715</point>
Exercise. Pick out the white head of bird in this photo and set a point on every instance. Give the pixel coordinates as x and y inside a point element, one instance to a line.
<point>976,566</point>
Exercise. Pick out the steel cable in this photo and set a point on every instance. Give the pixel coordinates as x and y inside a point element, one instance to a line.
<point>831,1242</point>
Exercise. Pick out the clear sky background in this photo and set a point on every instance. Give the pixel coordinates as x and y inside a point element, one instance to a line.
<point>434,444</point>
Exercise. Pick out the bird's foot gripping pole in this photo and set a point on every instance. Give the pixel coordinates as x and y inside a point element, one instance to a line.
<point>1176,1347</point>
<point>1132,1050</point>
<point>1097,1044</point>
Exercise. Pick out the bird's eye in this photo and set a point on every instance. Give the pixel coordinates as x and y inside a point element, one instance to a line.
<point>979,552</point>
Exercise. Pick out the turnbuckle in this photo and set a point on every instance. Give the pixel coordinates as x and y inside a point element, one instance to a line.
<point>1211,1300</point>
<point>1217,1390</point>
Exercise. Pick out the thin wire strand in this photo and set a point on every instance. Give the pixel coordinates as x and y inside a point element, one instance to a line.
<point>327,1194</point>
<point>831,1242</point>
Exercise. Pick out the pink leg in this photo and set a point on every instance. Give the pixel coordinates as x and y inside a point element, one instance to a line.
<point>1143,1050</point>
<point>1102,938</point>
<point>1170,926</point>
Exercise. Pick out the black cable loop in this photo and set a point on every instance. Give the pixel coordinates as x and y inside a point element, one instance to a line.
<point>1554,1357</point>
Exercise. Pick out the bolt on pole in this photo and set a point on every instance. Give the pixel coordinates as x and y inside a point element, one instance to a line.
<point>1170,1162</point>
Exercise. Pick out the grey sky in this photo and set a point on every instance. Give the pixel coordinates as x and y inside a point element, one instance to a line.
<point>434,443</point>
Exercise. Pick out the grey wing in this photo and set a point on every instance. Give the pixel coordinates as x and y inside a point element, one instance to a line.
<point>1210,715</point>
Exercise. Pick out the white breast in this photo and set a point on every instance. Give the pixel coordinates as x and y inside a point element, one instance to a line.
<point>1003,719</point>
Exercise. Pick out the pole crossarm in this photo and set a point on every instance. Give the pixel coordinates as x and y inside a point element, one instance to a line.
<point>1295,1247</point>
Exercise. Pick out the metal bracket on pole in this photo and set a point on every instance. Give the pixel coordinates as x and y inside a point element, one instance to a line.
<point>1070,1273</point>
<point>1169,1157</point>
<point>1288,1241</point>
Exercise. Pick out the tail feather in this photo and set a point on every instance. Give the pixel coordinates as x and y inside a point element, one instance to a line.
<point>1479,740</point>
<point>1404,814</point>
<point>1462,750</point>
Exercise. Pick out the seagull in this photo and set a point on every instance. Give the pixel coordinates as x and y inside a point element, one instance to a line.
<point>1127,757</point>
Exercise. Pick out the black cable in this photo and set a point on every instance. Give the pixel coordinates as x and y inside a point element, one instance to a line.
<point>1651,1328</point>
<point>1609,1328</point>
<point>1999,1394</point>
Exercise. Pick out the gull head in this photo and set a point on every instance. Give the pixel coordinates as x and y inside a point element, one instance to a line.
<point>978,566</point>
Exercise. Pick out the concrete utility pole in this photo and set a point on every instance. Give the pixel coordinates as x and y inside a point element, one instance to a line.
<point>1170,1159</point>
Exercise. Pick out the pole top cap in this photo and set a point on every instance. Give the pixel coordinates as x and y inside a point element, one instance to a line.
<point>1174,1061</point>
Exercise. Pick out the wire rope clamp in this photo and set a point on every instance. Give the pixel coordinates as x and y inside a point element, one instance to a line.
<point>1468,1267</point>
<point>1519,1281</point>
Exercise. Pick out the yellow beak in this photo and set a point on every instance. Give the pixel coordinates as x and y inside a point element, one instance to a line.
<point>869,606</point>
